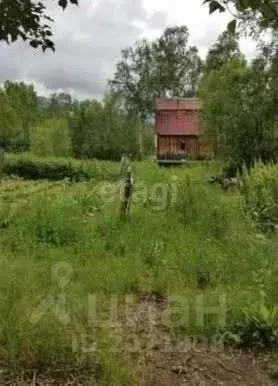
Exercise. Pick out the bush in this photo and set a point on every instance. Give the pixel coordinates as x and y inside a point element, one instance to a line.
<point>260,192</point>
<point>32,167</point>
<point>258,328</point>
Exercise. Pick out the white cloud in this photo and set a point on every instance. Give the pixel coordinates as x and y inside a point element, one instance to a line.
<point>89,40</point>
<point>204,28</point>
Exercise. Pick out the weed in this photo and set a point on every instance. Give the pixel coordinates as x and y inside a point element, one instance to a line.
<point>200,243</point>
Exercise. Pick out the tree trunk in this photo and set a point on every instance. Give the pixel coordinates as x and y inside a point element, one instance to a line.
<point>2,155</point>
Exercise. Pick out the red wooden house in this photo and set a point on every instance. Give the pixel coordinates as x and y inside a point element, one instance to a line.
<point>178,130</point>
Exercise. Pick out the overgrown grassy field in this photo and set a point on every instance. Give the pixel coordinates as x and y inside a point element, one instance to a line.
<point>64,250</point>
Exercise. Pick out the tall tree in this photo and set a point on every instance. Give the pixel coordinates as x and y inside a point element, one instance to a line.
<point>51,138</point>
<point>103,130</point>
<point>60,105</point>
<point>28,20</point>
<point>177,67</point>
<point>9,125</point>
<point>23,98</point>
<point>239,113</point>
<point>226,48</point>
<point>165,66</point>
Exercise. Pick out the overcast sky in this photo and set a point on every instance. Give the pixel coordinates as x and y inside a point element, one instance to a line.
<point>89,40</point>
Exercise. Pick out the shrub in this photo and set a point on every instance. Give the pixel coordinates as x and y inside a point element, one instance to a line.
<point>32,167</point>
<point>260,192</point>
<point>258,328</point>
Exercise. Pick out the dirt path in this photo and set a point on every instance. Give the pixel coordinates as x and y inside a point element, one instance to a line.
<point>166,361</point>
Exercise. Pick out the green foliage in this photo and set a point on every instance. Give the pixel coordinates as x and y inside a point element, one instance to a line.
<point>29,22</point>
<point>239,114</point>
<point>115,370</point>
<point>9,120</point>
<point>52,223</point>
<point>60,106</point>
<point>197,208</point>
<point>29,166</point>
<point>23,99</point>
<point>225,49</point>
<point>258,328</point>
<point>51,138</point>
<point>260,192</point>
<point>152,69</point>
<point>61,126</point>
<point>262,14</point>
<point>198,244</point>
<point>104,131</point>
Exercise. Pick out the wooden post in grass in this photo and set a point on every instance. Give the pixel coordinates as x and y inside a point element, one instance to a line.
<point>127,192</point>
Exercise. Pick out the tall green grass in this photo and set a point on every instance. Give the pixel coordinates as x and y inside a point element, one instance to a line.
<point>260,192</point>
<point>195,241</point>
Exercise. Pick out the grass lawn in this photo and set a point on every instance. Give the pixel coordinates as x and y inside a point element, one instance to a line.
<point>70,270</point>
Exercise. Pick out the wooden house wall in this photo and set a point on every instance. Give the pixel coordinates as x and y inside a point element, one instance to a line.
<point>172,146</point>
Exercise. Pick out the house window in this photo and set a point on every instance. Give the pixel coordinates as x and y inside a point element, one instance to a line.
<point>182,145</point>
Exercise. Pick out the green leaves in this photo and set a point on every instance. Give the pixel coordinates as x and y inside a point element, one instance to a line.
<point>239,110</point>
<point>63,3</point>
<point>34,43</point>
<point>23,99</point>
<point>232,27</point>
<point>151,69</point>
<point>104,130</point>
<point>9,120</point>
<point>258,327</point>
<point>256,13</point>
<point>28,23</point>
<point>225,49</point>
<point>242,5</point>
<point>214,6</point>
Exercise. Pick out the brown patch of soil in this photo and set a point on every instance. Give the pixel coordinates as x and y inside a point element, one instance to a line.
<point>47,377</point>
<point>165,360</point>
<point>160,358</point>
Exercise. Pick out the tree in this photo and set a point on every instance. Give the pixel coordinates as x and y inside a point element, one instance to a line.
<point>9,126</point>
<point>23,98</point>
<point>176,66</point>
<point>51,138</point>
<point>60,105</point>
<point>120,130</point>
<point>86,129</point>
<point>262,14</point>
<point>226,48</point>
<point>103,130</point>
<point>27,19</point>
<point>165,66</point>
<point>239,113</point>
